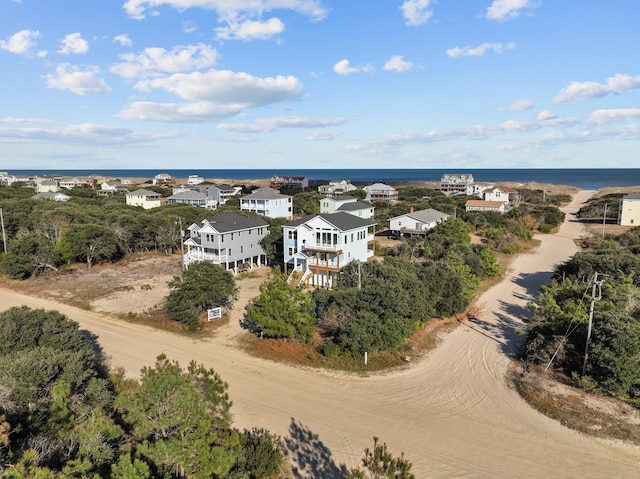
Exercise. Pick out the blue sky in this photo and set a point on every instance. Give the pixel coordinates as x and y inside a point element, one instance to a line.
<point>319,84</point>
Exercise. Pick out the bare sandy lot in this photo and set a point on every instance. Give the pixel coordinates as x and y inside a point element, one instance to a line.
<point>452,413</point>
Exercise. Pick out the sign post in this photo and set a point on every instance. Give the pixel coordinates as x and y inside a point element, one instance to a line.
<point>214,313</point>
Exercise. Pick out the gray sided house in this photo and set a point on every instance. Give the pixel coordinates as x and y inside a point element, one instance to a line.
<point>416,222</point>
<point>229,240</point>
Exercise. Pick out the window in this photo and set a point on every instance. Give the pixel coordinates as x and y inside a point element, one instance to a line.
<point>290,251</point>
<point>241,249</point>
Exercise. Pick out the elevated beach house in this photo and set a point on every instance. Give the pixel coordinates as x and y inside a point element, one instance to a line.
<point>143,198</point>
<point>381,192</point>
<point>416,222</point>
<point>268,202</point>
<point>318,245</point>
<point>456,183</point>
<point>629,211</point>
<point>229,240</point>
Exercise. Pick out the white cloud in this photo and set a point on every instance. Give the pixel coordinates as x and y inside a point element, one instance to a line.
<point>503,10</point>
<point>188,27</point>
<point>416,12</point>
<point>250,30</point>
<point>69,78</point>
<point>323,135</point>
<point>154,61</point>
<point>212,95</point>
<point>546,115</point>
<point>123,40</point>
<point>270,124</point>
<point>601,117</point>
<point>21,42</point>
<point>399,64</point>
<point>587,90</point>
<point>344,68</point>
<point>521,105</point>
<point>480,50</point>
<point>89,134</point>
<point>73,44</point>
<point>230,8</point>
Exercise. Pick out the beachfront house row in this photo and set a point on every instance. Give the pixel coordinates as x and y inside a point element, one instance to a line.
<point>193,198</point>
<point>268,202</point>
<point>290,182</point>
<point>336,187</point>
<point>456,183</point>
<point>629,210</point>
<point>346,204</point>
<point>481,205</point>
<point>381,192</point>
<point>416,222</point>
<point>143,198</point>
<point>318,245</point>
<point>500,193</point>
<point>230,240</point>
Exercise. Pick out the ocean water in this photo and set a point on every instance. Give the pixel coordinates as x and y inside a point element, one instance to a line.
<point>588,178</point>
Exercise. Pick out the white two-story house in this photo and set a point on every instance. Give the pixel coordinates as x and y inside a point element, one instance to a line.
<point>145,199</point>
<point>229,240</point>
<point>318,245</point>
<point>346,204</point>
<point>268,202</point>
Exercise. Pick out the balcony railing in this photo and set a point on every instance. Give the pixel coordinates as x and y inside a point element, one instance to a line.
<point>196,255</point>
<point>322,247</point>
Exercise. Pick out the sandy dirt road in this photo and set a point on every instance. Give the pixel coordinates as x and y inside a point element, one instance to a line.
<point>452,414</point>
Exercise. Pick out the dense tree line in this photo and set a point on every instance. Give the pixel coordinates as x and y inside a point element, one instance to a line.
<point>63,414</point>
<point>559,327</point>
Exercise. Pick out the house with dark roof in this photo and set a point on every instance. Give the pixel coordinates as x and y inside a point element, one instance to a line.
<point>416,222</point>
<point>222,192</point>
<point>291,182</point>
<point>318,245</point>
<point>268,202</point>
<point>230,240</point>
<point>346,204</point>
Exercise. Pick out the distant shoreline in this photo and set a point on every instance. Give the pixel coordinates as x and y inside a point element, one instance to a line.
<point>587,179</point>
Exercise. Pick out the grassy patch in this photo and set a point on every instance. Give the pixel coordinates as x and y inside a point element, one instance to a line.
<point>594,415</point>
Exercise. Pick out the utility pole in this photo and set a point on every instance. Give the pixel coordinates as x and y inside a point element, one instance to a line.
<point>597,284</point>
<point>4,236</point>
<point>604,218</point>
<point>181,244</point>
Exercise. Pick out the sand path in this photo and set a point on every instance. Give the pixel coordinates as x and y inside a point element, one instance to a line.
<point>452,414</point>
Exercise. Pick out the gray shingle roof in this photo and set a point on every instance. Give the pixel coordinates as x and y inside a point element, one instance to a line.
<point>188,195</point>
<point>143,192</point>
<point>342,221</point>
<point>225,222</point>
<point>354,206</point>
<point>266,193</point>
<point>632,196</point>
<point>429,215</point>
